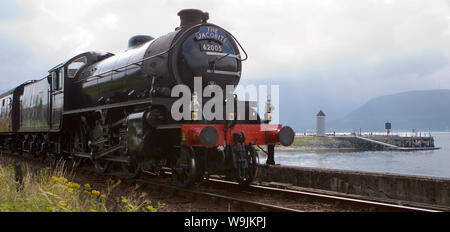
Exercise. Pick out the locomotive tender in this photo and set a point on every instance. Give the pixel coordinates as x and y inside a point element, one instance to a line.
<point>113,112</point>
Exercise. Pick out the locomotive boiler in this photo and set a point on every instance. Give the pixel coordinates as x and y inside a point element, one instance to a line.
<point>115,112</point>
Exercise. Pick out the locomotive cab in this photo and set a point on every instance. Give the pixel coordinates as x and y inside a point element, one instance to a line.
<point>61,78</point>
<point>70,74</point>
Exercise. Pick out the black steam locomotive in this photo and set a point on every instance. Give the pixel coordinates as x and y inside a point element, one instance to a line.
<point>113,112</point>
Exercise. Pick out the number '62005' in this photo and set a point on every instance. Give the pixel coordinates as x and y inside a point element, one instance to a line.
<point>211,48</point>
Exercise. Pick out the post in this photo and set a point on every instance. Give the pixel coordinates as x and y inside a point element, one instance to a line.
<point>270,155</point>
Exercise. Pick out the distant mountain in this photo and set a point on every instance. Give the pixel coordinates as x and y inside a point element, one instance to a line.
<point>421,110</point>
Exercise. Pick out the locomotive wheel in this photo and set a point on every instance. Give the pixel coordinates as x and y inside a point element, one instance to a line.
<point>132,169</point>
<point>253,161</point>
<point>101,166</point>
<point>185,169</point>
<point>43,153</point>
<point>34,148</point>
<point>78,144</point>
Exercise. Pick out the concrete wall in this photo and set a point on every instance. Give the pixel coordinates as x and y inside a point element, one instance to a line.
<point>380,185</point>
<point>362,144</point>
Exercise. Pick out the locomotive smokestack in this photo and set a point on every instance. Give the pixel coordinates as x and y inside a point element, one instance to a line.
<point>190,17</point>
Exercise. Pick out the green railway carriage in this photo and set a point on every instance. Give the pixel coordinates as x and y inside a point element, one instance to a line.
<point>6,101</point>
<point>34,107</point>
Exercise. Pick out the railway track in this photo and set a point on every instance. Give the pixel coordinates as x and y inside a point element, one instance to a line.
<point>234,202</point>
<point>258,197</point>
<point>278,199</point>
<point>339,202</point>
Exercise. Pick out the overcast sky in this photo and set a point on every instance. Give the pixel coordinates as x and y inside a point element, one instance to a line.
<point>352,49</point>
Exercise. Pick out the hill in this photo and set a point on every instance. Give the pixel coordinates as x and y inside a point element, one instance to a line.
<point>422,110</point>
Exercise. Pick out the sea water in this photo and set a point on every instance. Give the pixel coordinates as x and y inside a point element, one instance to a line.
<point>423,163</point>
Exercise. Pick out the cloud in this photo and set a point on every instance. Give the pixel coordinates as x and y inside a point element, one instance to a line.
<point>9,10</point>
<point>19,64</point>
<point>278,35</point>
<point>335,55</point>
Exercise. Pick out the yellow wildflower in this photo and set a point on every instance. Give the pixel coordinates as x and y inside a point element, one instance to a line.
<point>63,179</point>
<point>87,186</point>
<point>72,185</point>
<point>92,210</point>
<point>54,178</point>
<point>70,190</point>
<point>95,192</point>
<point>63,204</point>
<point>103,196</point>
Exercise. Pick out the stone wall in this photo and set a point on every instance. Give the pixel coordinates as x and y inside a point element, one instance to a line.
<point>428,190</point>
<point>362,144</point>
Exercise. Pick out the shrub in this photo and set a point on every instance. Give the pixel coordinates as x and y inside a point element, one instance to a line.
<point>51,191</point>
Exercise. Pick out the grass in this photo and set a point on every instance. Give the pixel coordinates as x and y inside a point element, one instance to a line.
<point>51,191</point>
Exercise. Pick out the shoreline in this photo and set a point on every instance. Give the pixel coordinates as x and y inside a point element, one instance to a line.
<point>316,149</point>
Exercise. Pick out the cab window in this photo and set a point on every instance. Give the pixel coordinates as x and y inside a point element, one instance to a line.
<point>61,78</point>
<point>55,80</point>
<point>75,66</point>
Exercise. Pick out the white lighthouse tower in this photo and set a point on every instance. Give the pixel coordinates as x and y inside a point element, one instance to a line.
<point>321,124</point>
